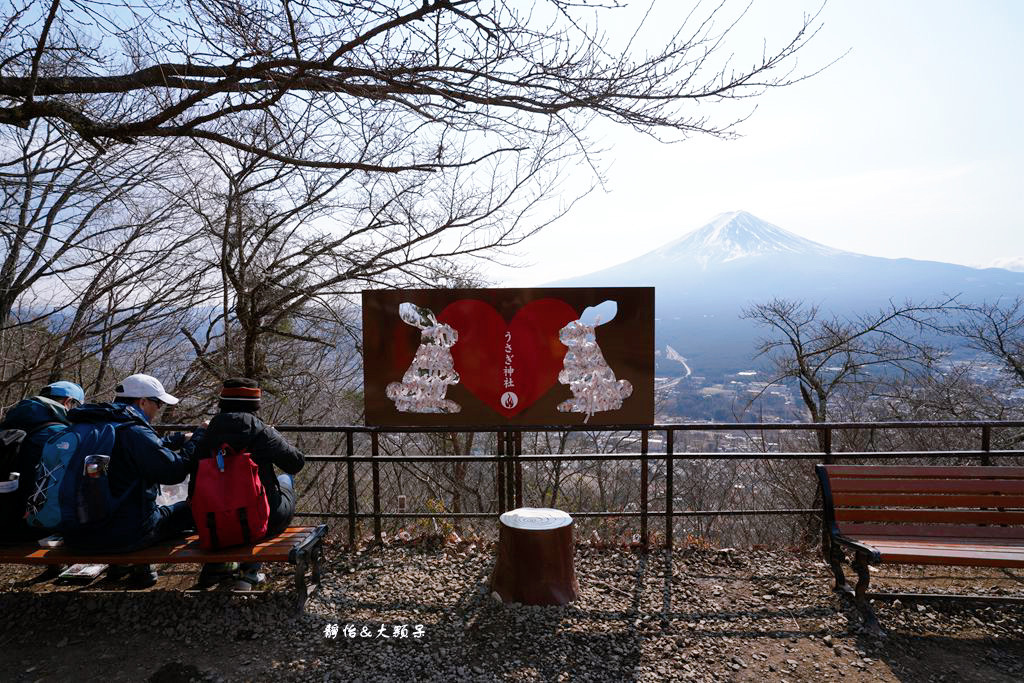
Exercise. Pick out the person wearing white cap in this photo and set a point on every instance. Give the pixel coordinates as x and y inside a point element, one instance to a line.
<point>140,462</point>
<point>144,386</point>
<point>40,417</point>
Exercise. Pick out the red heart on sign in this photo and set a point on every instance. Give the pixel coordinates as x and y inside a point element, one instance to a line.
<point>536,353</point>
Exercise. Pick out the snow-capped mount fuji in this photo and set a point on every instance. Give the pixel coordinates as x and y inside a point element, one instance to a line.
<point>737,235</point>
<point>705,278</point>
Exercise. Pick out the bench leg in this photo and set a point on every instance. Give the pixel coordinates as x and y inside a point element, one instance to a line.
<point>316,555</point>
<point>860,565</point>
<point>300,582</point>
<point>309,557</point>
<point>835,557</point>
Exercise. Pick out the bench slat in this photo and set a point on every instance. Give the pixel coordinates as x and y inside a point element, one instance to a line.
<point>981,544</point>
<point>843,499</point>
<point>836,472</point>
<point>900,531</point>
<point>909,553</point>
<point>185,550</point>
<point>985,486</point>
<point>930,516</point>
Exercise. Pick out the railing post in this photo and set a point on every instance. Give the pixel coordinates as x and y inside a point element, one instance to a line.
<point>986,443</point>
<point>374,452</point>
<point>643,488</point>
<point>518,441</point>
<point>826,433</point>
<point>351,467</point>
<point>510,471</point>
<point>499,471</point>
<point>669,485</point>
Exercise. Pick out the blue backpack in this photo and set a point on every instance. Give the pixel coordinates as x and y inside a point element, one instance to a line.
<point>72,490</point>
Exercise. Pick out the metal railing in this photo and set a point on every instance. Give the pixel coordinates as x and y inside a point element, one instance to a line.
<point>508,461</point>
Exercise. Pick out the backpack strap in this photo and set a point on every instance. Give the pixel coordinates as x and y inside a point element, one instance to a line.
<point>41,427</point>
<point>243,519</point>
<point>118,501</point>
<point>240,449</point>
<point>211,524</point>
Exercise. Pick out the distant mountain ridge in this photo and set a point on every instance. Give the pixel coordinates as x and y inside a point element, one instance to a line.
<point>705,278</point>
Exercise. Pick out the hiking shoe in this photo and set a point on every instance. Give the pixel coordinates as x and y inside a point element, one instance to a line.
<point>142,576</point>
<point>249,580</point>
<point>52,571</point>
<point>215,572</point>
<point>116,572</point>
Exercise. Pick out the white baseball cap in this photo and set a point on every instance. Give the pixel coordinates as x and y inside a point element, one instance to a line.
<point>143,386</point>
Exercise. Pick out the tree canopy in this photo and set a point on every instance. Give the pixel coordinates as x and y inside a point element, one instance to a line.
<point>379,86</point>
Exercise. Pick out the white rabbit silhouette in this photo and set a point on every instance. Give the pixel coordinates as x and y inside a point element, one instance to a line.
<point>424,384</point>
<point>585,370</point>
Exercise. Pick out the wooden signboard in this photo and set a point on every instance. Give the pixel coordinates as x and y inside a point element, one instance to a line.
<point>476,357</point>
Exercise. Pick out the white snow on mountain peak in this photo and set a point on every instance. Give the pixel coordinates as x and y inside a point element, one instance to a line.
<point>737,235</point>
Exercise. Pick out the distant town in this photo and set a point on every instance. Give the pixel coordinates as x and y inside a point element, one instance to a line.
<point>695,398</point>
<point>748,396</point>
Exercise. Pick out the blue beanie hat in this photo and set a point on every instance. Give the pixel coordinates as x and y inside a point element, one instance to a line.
<point>64,389</point>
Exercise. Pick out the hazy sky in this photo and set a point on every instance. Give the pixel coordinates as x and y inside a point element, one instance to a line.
<point>910,146</point>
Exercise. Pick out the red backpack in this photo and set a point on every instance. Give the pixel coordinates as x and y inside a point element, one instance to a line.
<point>229,503</point>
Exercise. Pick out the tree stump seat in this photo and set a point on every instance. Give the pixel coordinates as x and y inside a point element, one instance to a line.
<point>535,558</point>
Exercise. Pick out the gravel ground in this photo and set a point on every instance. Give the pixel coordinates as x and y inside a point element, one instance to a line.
<point>695,614</point>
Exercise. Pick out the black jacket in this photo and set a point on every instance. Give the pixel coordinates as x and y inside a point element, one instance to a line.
<point>245,431</point>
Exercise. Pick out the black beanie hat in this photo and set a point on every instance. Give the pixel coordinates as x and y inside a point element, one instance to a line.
<point>240,395</point>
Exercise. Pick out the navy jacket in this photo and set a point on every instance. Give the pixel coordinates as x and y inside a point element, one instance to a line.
<point>40,418</point>
<point>141,462</point>
<point>245,431</point>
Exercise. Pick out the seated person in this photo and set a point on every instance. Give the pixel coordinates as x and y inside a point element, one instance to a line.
<point>237,425</point>
<point>140,461</point>
<point>40,417</point>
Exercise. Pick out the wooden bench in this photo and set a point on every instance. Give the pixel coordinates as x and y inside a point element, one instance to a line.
<point>969,516</point>
<point>297,545</point>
